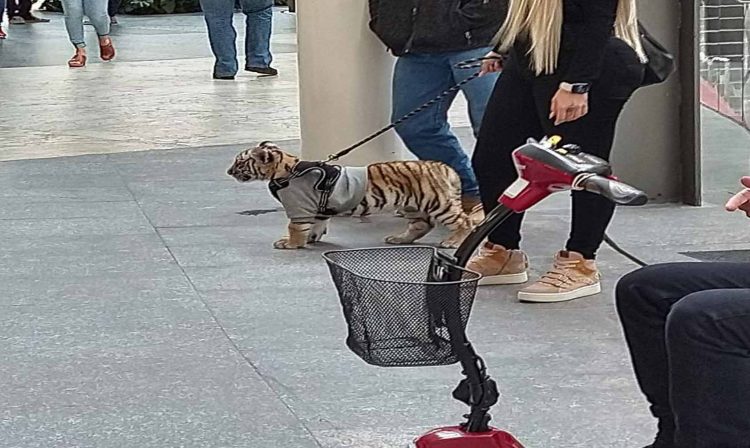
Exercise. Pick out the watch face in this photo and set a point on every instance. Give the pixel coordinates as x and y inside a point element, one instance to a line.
<point>580,88</point>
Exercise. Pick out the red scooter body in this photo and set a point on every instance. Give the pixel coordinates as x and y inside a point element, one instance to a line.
<point>544,169</point>
<point>455,437</point>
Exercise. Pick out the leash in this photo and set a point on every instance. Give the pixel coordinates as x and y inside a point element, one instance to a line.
<point>616,247</point>
<point>467,64</point>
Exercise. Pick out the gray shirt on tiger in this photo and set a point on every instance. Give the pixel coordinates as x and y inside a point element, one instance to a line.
<point>318,190</point>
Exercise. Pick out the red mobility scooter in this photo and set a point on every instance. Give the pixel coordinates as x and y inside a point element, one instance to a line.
<point>409,306</point>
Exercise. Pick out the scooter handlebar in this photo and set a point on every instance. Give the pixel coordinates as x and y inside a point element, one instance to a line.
<point>614,190</point>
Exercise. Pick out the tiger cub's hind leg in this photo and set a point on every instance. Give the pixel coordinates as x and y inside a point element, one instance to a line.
<point>419,226</point>
<point>319,228</point>
<point>456,220</point>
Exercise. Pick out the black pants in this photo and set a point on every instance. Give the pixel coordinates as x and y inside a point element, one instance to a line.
<point>113,7</point>
<point>519,108</point>
<point>688,329</point>
<point>21,8</point>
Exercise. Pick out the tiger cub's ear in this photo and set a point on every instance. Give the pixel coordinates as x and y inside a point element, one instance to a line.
<point>262,154</point>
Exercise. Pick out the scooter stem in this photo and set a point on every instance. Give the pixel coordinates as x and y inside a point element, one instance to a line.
<point>480,232</point>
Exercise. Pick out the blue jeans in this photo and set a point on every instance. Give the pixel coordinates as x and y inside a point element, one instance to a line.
<point>95,10</point>
<point>419,78</point>
<point>219,16</point>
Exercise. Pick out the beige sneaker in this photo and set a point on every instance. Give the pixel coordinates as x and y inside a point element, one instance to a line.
<point>571,277</point>
<point>499,266</point>
<point>472,205</point>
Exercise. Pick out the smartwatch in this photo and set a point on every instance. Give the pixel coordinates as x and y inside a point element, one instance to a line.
<point>580,87</point>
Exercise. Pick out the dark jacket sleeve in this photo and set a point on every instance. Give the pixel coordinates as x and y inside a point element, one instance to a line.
<point>373,5</point>
<point>480,13</point>
<point>589,37</point>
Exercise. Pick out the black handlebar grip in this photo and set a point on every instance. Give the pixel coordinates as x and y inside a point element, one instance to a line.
<point>618,192</point>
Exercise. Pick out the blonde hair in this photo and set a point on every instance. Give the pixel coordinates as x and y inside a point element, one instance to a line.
<point>540,21</point>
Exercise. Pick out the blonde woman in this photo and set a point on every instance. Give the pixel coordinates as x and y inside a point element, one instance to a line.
<point>570,66</point>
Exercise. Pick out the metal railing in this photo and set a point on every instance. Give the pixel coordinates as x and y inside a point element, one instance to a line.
<point>725,58</point>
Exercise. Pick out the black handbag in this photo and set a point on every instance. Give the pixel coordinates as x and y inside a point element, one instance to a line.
<point>660,61</point>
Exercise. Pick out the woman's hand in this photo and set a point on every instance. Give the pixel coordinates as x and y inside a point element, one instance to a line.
<point>567,106</point>
<point>741,201</point>
<point>493,65</point>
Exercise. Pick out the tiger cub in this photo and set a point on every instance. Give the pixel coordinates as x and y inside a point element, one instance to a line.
<point>426,193</point>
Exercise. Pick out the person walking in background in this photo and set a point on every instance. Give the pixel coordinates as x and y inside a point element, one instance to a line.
<point>571,67</point>
<point>113,7</point>
<point>429,39</point>
<point>96,11</point>
<point>2,12</point>
<point>219,15</point>
<point>687,326</point>
<point>19,13</point>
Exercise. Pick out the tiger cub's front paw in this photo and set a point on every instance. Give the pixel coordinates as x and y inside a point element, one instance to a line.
<point>398,239</point>
<point>284,243</point>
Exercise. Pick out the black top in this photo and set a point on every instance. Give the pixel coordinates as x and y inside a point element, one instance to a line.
<point>587,27</point>
<point>436,26</point>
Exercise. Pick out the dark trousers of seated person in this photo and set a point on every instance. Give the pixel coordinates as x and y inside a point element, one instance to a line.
<point>687,326</point>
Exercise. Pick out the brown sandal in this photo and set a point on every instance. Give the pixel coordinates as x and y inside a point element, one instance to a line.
<point>106,51</point>
<point>79,60</point>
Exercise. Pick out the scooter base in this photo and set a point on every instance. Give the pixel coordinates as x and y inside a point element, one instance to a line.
<point>455,437</point>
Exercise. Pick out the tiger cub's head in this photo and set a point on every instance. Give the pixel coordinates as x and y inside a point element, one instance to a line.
<point>264,162</point>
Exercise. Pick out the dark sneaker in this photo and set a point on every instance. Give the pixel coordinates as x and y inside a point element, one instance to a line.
<point>113,21</point>
<point>224,77</point>
<point>265,71</point>
<point>34,19</point>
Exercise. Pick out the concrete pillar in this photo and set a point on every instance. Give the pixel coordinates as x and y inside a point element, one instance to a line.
<point>344,82</point>
<point>654,135</point>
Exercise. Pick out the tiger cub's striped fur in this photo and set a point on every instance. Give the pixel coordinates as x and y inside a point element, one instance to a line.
<point>425,192</point>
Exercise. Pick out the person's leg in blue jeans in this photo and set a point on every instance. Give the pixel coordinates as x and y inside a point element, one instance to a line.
<point>477,92</point>
<point>258,26</point>
<point>417,79</point>
<point>96,10</point>
<point>73,12</point>
<point>222,36</point>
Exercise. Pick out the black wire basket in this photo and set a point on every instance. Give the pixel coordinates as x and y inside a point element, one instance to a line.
<point>404,306</point>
